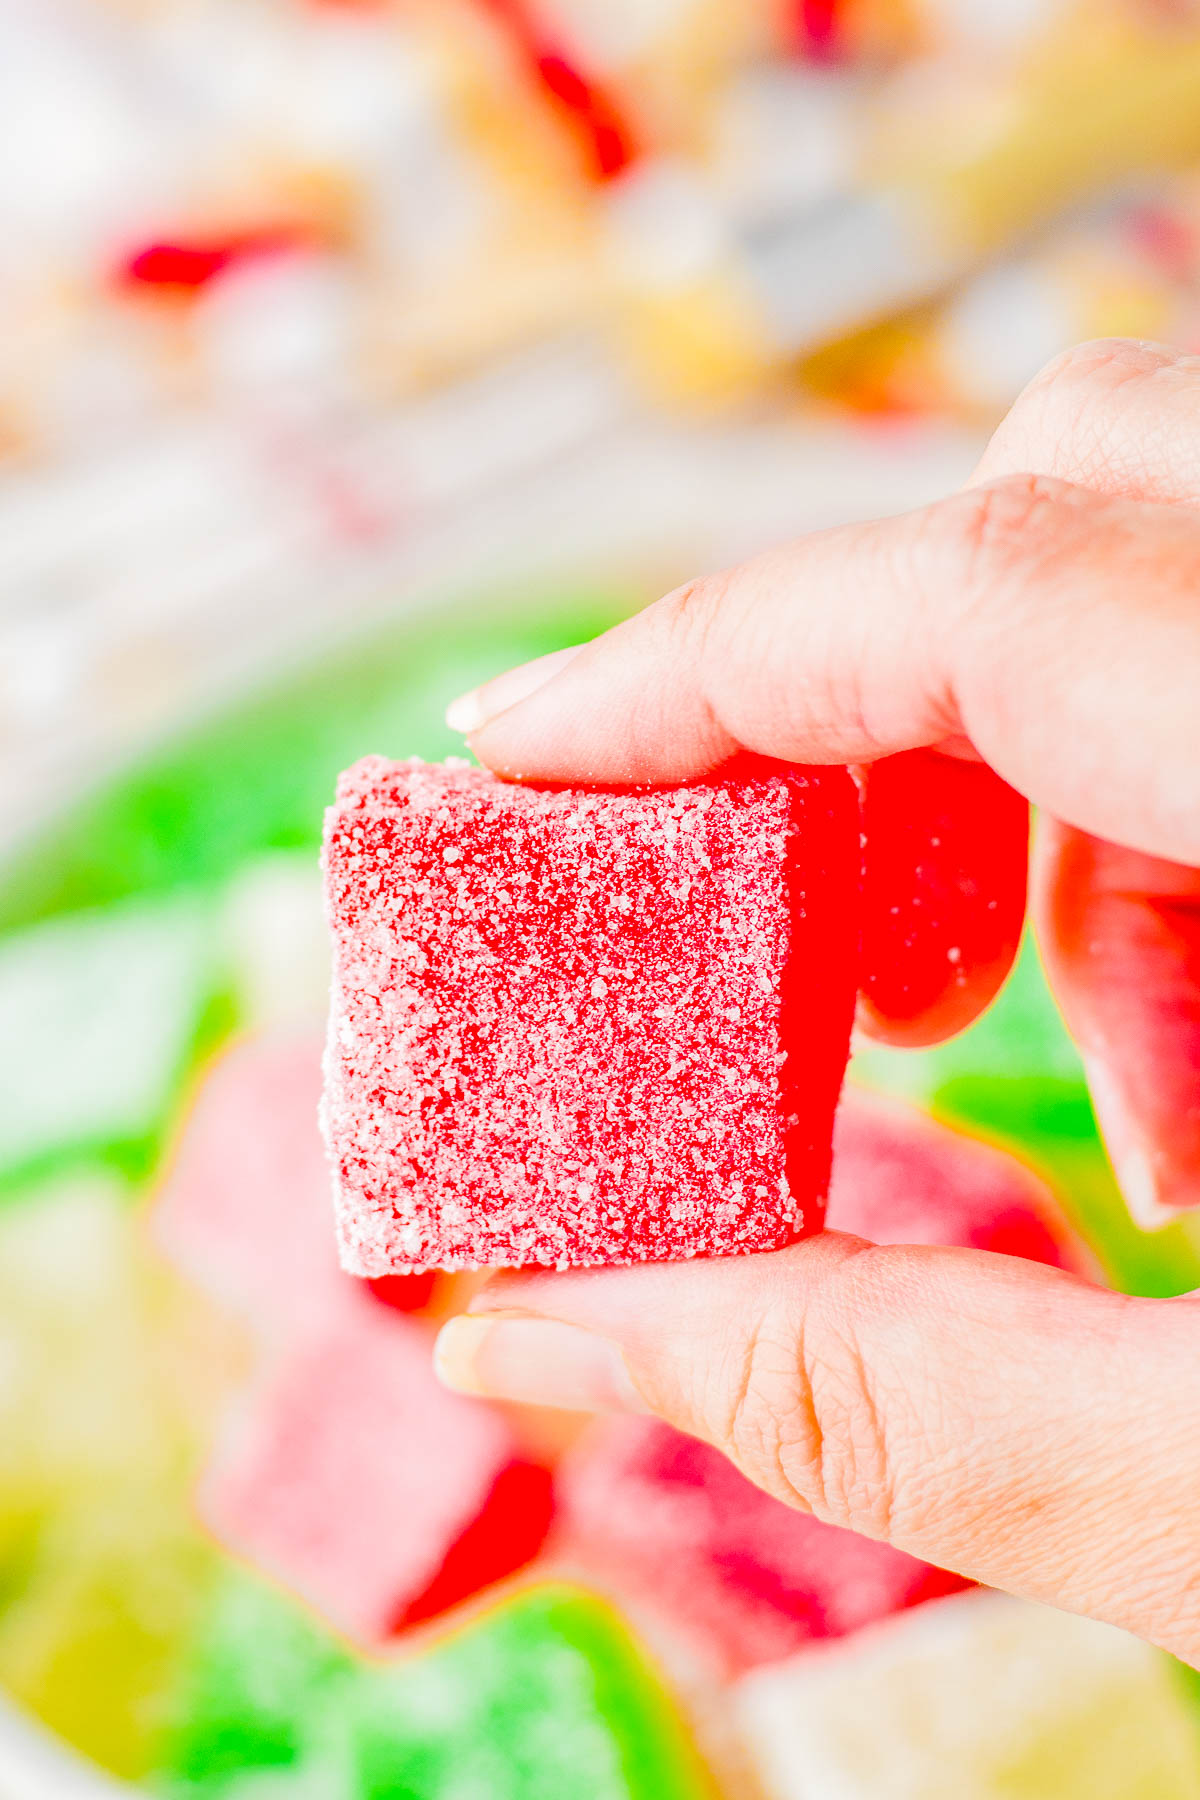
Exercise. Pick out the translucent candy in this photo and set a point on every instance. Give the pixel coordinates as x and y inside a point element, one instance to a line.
<point>575,1028</point>
<point>545,1698</point>
<point>111,1376</point>
<point>358,1481</point>
<point>255,1700</point>
<point>108,999</point>
<point>246,1210</point>
<point>669,1524</point>
<point>980,1697</point>
<point>901,1178</point>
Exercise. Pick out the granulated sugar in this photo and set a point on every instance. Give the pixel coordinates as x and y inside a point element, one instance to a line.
<point>584,1027</point>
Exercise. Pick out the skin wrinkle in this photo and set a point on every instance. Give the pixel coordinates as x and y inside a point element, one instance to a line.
<point>755,1417</point>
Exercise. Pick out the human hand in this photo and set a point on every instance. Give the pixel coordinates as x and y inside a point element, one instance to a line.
<point>1040,630</point>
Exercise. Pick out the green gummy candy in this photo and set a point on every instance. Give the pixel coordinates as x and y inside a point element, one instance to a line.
<point>1020,1038</point>
<point>545,1698</point>
<point>98,1012</point>
<point>260,775</point>
<point>261,1683</point>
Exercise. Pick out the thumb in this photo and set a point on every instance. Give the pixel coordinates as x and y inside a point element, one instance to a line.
<point>1008,1421</point>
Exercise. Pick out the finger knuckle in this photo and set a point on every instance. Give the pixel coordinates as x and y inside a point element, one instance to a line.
<point>1097,367</point>
<point>1065,418</point>
<point>806,1415</point>
<point>694,612</point>
<point>1005,528</point>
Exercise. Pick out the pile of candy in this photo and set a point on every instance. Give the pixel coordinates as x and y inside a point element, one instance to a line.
<point>250,1550</point>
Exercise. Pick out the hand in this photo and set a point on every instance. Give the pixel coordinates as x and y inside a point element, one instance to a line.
<point>1042,629</point>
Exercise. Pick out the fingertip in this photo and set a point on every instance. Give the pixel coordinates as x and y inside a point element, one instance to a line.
<point>540,1362</point>
<point>1120,934</point>
<point>473,712</point>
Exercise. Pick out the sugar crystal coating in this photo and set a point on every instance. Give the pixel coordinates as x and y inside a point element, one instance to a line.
<point>584,1027</point>
<point>245,1209</point>
<point>980,1697</point>
<point>544,1697</point>
<point>355,1479</point>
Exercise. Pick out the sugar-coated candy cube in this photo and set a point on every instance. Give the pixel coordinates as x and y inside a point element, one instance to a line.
<point>96,1010</point>
<point>980,1697</point>
<point>668,1522</point>
<point>255,1699</point>
<point>113,1373</point>
<point>901,1178</point>
<point>245,1211</point>
<point>547,1697</point>
<point>583,1027</point>
<point>359,1482</point>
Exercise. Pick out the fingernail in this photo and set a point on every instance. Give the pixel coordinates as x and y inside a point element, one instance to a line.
<point>538,1361</point>
<point>471,712</point>
<point>1132,1162</point>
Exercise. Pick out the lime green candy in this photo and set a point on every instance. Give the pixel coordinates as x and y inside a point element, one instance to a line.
<point>545,1698</point>
<point>263,1688</point>
<point>259,777</point>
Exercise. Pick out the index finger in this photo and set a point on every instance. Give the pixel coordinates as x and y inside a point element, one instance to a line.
<point>1053,630</point>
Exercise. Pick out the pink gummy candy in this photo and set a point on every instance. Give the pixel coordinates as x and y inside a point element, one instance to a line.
<point>246,1210</point>
<point>670,1523</point>
<point>901,1178</point>
<point>354,1478</point>
<point>584,1027</point>
<point>669,1519</point>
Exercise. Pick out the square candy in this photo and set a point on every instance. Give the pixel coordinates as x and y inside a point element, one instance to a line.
<point>575,1028</point>
<point>980,1697</point>
<point>355,1479</point>
<point>246,1211</point>
<point>668,1522</point>
<point>543,1697</point>
<point>900,1177</point>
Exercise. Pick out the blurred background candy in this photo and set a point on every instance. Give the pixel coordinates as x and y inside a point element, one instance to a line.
<point>351,350</point>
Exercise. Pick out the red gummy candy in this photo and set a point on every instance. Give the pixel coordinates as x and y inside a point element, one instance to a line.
<point>246,1210</point>
<point>669,1521</point>
<point>352,1476</point>
<point>573,1028</point>
<point>186,266</point>
<point>901,1178</point>
<point>593,113</point>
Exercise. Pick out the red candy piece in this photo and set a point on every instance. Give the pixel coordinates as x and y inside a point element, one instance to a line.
<point>246,1212</point>
<point>355,1479</point>
<point>901,1178</point>
<point>818,28</point>
<point>560,1018</point>
<point>246,1208</point>
<point>591,112</point>
<point>187,266</point>
<point>670,1522</point>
